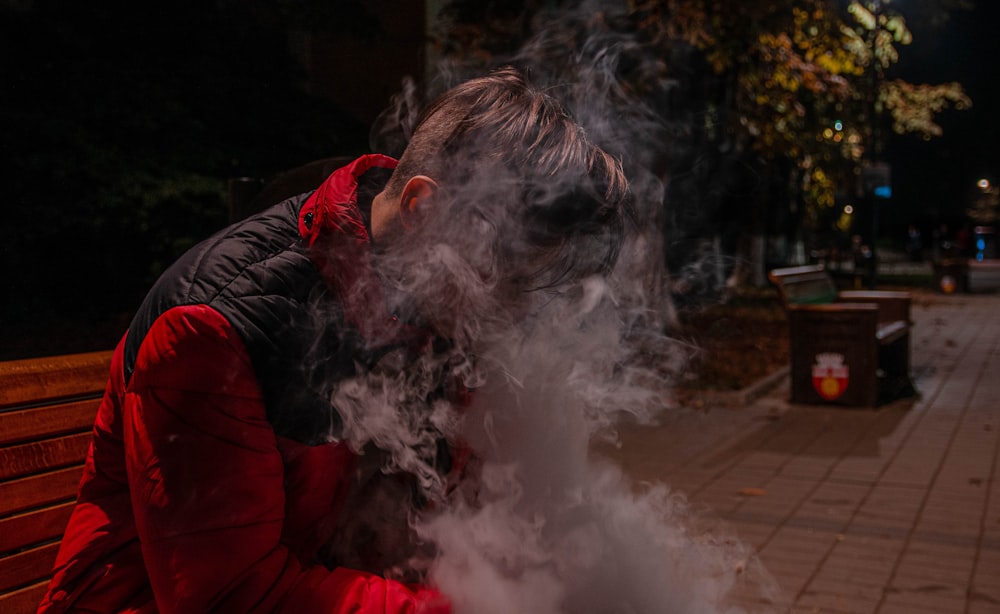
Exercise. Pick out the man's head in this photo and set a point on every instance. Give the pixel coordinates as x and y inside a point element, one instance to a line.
<point>499,176</point>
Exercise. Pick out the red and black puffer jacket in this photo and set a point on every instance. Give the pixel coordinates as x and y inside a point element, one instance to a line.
<point>210,485</point>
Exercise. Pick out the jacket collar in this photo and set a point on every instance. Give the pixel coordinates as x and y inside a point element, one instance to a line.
<point>338,242</point>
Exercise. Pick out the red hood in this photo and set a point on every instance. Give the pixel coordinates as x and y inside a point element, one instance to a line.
<point>334,230</point>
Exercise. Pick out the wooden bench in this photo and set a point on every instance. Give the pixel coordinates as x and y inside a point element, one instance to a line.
<point>47,409</point>
<point>847,347</point>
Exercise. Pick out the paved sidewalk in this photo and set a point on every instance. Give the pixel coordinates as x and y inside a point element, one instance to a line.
<point>895,509</point>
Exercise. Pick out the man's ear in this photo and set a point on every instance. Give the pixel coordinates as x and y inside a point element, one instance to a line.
<point>415,198</point>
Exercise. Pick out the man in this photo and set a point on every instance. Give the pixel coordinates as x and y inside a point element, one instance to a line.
<point>225,471</point>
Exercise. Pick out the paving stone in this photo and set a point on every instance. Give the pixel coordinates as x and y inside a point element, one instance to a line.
<point>872,580</point>
<point>893,607</point>
<point>939,586</point>
<point>890,510</point>
<point>930,599</point>
<point>912,571</point>
<point>836,601</point>
<point>978,607</point>
<point>840,565</point>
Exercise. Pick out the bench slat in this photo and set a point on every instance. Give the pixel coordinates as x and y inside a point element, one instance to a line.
<point>28,566</point>
<point>833,309</point>
<point>37,490</point>
<point>33,527</point>
<point>28,458</point>
<point>804,285</point>
<point>48,421</point>
<point>37,380</point>
<point>23,600</point>
<point>47,409</point>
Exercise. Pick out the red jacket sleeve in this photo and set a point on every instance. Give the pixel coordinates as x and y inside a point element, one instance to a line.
<point>207,485</point>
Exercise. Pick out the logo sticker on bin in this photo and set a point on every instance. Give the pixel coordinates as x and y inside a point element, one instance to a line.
<point>830,375</point>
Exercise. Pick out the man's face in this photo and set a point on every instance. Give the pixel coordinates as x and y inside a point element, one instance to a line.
<point>430,272</point>
<point>384,214</point>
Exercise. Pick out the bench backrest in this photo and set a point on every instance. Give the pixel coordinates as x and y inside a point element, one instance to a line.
<point>47,410</point>
<point>804,285</point>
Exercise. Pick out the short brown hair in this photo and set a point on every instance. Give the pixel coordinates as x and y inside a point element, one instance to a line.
<point>513,155</point>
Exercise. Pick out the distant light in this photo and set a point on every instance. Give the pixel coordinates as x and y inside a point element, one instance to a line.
<point>984,184</point>
<point>848,209</point>
<point>838,125</point>
<point>883,191</point>
<point>828,133</point>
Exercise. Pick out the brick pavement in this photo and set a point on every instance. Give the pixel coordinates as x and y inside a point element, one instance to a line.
<point>887,510</point>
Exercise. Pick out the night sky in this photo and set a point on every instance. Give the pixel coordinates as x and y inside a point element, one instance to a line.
<point>935,179</point>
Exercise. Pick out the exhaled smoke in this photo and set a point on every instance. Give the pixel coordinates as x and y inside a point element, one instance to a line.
<point>554,529</point>
<point>534,523</point>
<point>394,126</point>
<point>537,524</point>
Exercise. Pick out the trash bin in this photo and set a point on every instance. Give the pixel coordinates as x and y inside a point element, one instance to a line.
<point>951,275</point>
<point>834,354</point>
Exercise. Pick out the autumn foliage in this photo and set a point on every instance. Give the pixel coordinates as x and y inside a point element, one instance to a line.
<point>806,85</point>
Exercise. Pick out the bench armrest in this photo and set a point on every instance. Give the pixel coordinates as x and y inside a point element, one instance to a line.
<point>860,319</point>
<point>892,306</point>
<point>834,307</point>
<point>891,331</point>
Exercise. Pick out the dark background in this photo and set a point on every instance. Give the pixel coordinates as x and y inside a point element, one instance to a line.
<point>934,180</point>
<point>123,124</point>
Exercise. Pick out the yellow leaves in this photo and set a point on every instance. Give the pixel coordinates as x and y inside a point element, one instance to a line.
<point>885,51</point>
<point>894,24</point>
<point>913,107</point>
<point>785,80</point>
<point>684,20</point>
<point>885,31</point>
<point>897,26</point>
<point>818,188</point>
<point>856,48</point>
<point>862,15</point>
<point>775,41</point>
<point>813,56</point>
<point>838,64</point>
<point>719,61</point>
<point>797,63</point>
